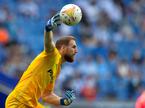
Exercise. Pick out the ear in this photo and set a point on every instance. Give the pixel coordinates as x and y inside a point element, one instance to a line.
<point>62,47</point>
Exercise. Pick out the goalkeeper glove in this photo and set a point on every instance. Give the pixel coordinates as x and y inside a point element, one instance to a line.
<point>68,99</point>
<point>53,23</point>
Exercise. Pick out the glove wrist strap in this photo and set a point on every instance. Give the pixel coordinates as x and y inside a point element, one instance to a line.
<point>48,26</point>
<point>65,101</point>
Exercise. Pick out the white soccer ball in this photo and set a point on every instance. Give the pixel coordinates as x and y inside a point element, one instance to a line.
<point>70,14</point>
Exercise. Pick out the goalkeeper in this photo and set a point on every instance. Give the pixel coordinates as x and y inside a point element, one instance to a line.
<point>39,78</point>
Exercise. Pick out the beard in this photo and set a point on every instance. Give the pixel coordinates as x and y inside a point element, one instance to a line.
<point>68,58</point>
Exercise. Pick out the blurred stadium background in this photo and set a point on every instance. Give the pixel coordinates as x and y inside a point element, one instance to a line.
<point>110,66</point>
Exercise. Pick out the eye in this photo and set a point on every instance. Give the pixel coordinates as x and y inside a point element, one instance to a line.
<point>74,46</point>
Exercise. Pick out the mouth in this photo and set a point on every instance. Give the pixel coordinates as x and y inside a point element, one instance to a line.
<point>74,54</point>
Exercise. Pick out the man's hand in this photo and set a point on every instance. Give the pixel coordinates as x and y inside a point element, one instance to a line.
<point>68,99</point>
<point>53,23</point>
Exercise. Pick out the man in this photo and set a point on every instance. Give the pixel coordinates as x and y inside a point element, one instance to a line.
<point>39,78</point>
<point>140,102</point>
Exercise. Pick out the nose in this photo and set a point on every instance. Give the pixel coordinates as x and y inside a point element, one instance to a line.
<point>76,50</point>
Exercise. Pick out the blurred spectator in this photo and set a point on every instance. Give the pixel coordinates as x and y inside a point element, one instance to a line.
<point>28,8</point>
<point>88,66</point>
<point>89,90</point>
<point>4,36</point>
<point>88,6</point>
<point>4,16</point>
<point>113,11</point>
<point>16,61</point>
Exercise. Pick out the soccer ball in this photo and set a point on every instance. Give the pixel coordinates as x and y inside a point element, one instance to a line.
<point>70,14</point>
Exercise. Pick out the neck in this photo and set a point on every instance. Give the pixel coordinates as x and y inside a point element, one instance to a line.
<point>62,58</point>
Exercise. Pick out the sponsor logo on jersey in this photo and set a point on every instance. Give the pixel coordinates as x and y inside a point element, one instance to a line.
<point>51,75</point>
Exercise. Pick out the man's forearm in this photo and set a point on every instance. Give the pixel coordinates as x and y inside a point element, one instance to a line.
<point>52,99</point>
<point>48,35</point>
<point>48,41</point>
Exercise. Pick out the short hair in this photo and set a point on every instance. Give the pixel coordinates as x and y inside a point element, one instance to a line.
<point>64,41</point>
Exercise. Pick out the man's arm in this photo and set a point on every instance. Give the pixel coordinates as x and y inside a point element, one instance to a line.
<point>48,41</point>
<point>48,34</point>
<point>53,99</point>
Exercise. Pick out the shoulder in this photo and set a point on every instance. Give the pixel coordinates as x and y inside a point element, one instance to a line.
<point>53,54</point>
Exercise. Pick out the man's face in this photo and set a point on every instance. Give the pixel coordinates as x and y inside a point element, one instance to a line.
<point>70,51</point>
